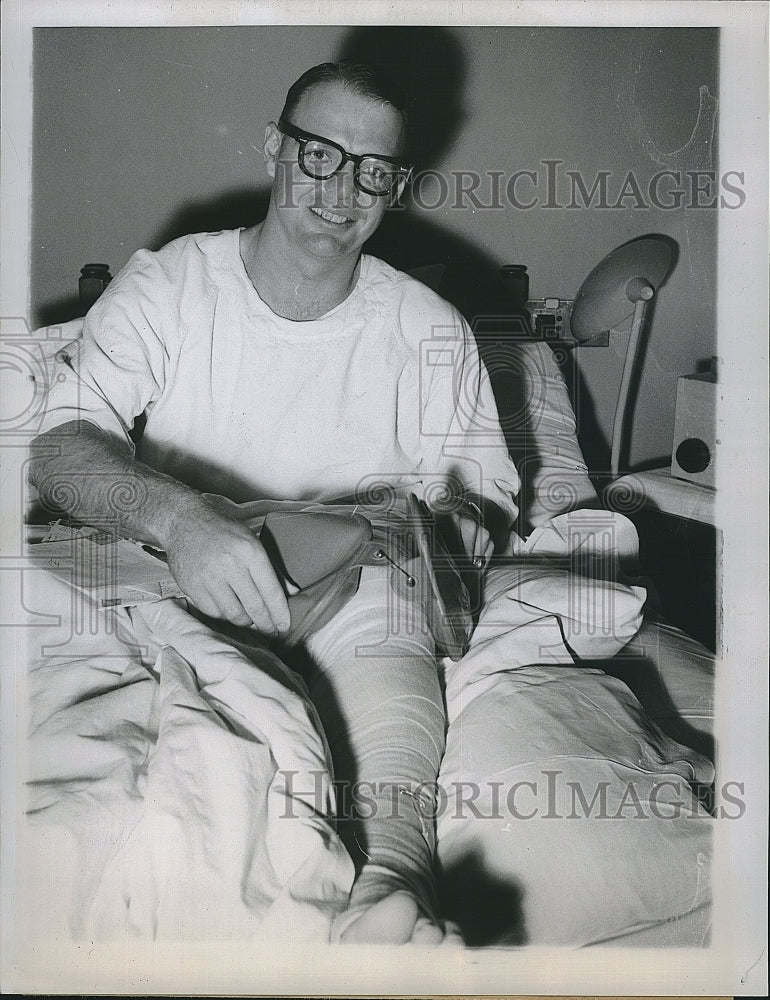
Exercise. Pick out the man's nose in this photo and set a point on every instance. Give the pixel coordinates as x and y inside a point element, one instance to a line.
<point>346,192</point>
<point>344,185</point>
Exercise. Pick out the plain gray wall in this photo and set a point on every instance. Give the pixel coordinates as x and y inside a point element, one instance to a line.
<point>143,134</point>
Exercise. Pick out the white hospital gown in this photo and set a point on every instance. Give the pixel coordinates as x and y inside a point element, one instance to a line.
<point>386,388</point>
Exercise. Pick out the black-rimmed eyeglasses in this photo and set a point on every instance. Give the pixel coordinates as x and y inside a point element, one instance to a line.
<point>320,158</point>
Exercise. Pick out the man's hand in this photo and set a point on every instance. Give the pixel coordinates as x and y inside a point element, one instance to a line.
<point>224,570</point>
<point>216,560</point>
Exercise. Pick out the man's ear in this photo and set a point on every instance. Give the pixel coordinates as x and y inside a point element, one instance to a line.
<point>271,147</point>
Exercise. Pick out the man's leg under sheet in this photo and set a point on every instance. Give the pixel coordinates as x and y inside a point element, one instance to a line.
<point>375,684</point>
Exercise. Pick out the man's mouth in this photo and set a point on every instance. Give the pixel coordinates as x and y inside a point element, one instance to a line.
<point>337,220</point>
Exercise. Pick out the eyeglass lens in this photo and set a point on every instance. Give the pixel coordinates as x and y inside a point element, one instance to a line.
<point>321,161</point>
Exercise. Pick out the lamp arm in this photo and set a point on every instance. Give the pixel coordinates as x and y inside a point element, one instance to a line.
<point>619,423</point>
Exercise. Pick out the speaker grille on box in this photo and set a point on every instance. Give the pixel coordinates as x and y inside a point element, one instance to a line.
<point>694,452</point>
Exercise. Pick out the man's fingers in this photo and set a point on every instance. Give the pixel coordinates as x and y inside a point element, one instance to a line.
<point>265,581</point>
<point>238,602</point>
<point>250,598</point>
<point>225,603</point>
<point>227,574</point>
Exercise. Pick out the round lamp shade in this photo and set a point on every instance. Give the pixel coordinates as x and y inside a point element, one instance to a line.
<point>608,295</point>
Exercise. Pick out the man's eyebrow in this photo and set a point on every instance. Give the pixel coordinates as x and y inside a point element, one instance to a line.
<point>397,157</point>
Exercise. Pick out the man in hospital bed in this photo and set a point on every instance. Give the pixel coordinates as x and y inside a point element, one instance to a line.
<point>280,362</point>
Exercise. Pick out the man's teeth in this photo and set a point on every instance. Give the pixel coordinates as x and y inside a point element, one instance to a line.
<point>329,216</point>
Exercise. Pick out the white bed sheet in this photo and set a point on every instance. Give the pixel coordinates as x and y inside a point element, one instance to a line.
<point>168,780</point>
<point>158,805</point>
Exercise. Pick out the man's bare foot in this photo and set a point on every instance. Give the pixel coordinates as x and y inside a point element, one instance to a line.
<point>394,919</point>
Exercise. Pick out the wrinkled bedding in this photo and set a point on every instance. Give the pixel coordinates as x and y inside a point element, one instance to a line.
<point>158,802</point>
<point>178,784</point>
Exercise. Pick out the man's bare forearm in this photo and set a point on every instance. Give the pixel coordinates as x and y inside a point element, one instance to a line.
<point>92,476</point>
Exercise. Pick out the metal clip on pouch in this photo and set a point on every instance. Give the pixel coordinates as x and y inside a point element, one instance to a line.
<point>321,552</point>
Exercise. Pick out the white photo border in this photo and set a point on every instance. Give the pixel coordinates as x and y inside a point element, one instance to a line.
<point>736,962</point>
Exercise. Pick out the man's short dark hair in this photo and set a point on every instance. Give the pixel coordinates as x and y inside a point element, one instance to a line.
<point>364,79</point>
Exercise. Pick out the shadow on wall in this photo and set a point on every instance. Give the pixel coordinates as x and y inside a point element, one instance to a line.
<point>431,65</point>
<point>240,207</point>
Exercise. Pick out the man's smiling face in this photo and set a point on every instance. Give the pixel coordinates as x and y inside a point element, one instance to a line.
<point>331,218</point>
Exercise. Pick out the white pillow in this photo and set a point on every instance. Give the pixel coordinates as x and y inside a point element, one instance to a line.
<point>566,817</point>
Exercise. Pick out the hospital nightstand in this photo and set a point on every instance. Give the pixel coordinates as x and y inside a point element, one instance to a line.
<point>678,543</point>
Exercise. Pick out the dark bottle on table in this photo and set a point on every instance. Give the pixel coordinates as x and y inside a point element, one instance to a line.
<point>515,283</point>
<point>94,278</point>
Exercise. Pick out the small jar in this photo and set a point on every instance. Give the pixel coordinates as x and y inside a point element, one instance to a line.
<point>94,278</point>
<point>516,282</point>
